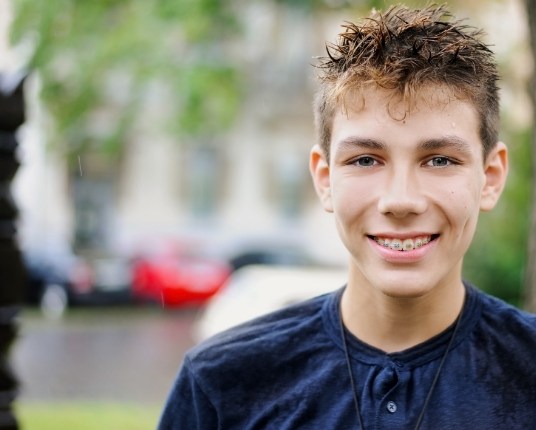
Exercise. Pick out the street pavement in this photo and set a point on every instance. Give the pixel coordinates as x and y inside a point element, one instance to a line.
<point>101,354</point>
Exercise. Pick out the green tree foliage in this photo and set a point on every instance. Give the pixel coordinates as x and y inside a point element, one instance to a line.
<point>530,276</point>
<point>336,4</point>
<point>102,57</point>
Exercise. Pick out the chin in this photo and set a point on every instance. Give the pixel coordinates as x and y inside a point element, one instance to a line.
<point>404,293</point>
<point>404,289</point>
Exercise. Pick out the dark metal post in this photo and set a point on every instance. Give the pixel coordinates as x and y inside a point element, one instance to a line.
<point>11,267</point>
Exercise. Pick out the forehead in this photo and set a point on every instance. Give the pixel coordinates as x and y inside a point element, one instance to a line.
<point>385,116</point>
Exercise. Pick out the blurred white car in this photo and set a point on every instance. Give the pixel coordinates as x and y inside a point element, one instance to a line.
<point>256,290</point>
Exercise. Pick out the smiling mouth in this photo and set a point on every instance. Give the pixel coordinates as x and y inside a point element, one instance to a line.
<point>402,245</point>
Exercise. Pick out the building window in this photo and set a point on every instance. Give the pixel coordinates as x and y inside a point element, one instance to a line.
<point>290,175</point>
<point>204,178</point>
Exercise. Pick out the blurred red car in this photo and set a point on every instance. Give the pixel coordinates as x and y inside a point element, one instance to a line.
<point>174,280</point>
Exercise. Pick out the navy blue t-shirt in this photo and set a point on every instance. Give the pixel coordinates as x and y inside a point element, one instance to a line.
<point>288,370</point>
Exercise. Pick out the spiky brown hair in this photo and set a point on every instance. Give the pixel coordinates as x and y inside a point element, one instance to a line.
<point>406,50</point>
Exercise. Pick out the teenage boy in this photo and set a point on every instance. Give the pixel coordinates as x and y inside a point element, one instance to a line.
<point>408,155</point>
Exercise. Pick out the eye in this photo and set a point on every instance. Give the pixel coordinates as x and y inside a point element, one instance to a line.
<point>439,162</point>
<point>365,161</point>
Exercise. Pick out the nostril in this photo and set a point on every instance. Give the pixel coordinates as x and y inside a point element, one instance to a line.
<point>401,205</point>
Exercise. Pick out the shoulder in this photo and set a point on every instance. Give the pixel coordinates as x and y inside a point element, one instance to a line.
<point>263,335</point>
<point>277,357</point>
<point>267,345</point>
<point>497,309</point>
<point>507,321</point>
<point>500,358</point>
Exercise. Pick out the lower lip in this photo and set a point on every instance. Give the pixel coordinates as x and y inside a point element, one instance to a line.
<point>393,256</point>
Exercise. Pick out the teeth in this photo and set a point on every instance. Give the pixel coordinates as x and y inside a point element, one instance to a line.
<point>408,245</point>
<point>405,245</point>
<point>396,244</point>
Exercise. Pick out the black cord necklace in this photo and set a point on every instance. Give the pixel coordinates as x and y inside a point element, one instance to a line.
<point>430,391</point>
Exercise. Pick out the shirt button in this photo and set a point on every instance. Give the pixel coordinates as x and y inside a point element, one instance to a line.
<point>391,407</point>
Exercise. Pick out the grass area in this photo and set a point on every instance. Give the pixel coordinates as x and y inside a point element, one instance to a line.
<point>86,416</point>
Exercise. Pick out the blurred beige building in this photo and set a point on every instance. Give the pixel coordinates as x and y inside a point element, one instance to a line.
<point>246,187</point>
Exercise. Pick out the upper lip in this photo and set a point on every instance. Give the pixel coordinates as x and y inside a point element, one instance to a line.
<point>402,236</point>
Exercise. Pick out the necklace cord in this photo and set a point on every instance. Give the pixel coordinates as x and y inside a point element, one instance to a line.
<point>430,391</point>
<point>436,377</point>
<point>350,373</point>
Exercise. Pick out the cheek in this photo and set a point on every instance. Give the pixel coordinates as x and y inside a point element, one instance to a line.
<point>350,199</point>
<point>462,193</point>
<point>462,206</point>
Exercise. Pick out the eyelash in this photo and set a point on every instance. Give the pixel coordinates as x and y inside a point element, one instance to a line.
<point>364,158</point>
<point>369,158</point>
<point>449,160</point>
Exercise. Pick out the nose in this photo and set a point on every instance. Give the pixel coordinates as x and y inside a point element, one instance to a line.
<point>402,195</point>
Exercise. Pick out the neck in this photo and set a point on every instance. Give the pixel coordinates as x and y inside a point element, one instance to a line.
<point>394,324</point>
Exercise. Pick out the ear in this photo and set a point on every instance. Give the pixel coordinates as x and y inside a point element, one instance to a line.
<point>495,171</point>
<point>319,167</point>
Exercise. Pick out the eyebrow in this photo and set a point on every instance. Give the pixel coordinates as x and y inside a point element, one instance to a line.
<point>449,141</point>
<point>443,142</point>
<point>352,142</point>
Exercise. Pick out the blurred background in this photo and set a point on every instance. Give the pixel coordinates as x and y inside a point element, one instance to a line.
<point>163,190</point>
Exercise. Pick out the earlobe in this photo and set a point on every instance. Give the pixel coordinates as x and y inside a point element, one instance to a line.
<point>495,171</point>
<point>319,168</point>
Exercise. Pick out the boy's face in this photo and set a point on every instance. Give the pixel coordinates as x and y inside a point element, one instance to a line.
<point>416,184</point>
